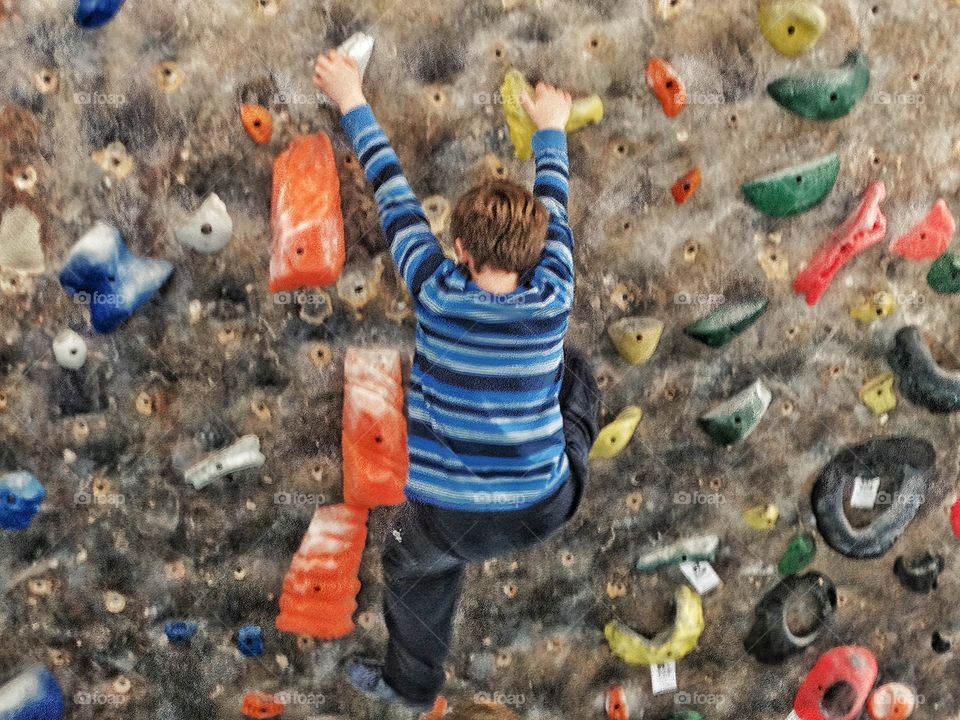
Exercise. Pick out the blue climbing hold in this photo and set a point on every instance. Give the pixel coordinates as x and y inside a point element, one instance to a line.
<point>250,640</point>
<point>34,694</point>
<point>101,271</point>
<point>179,632</point>
<point>92,14</point>
<point>20,497</point>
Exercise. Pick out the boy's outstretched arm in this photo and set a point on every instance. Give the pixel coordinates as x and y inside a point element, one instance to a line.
<point>549,108</point>
<point>414,248</point>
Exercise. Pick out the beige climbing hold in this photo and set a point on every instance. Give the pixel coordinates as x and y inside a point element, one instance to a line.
<point>20,249</point>
<point>636,338</point>
<point>437,209</point>
<point>357,286</point>
<point>169,76</point>
<point>114,160</point>
<point>114,602</point>
<point>24,178</point>
<point>615,436</point>
<point>46,81</point>
<point>668,10</point>
<point>320,354</point>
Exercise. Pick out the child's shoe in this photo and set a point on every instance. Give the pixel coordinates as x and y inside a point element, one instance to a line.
<point>367,677</point>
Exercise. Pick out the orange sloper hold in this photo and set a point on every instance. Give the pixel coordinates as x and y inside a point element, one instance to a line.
<point>375,454</point>
<point>321,586</point>
<point>684,188</point>
<point>261,705</point>
<point>930,239</point>
<point>440,707</point>
<point>308,247</point>
<point>667,86</point>
<point>258,123</point>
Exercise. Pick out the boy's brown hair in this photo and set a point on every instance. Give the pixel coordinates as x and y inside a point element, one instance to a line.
<point>502,225</point>
<point>481,711</point>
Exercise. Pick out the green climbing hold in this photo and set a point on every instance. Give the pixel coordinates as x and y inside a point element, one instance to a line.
<point>792,27</point>
<point>694,549</point>
<point>796,189</point>
<point>734,419</point>
<point>726,322</point>
<point>825,94</point>
<point>686,715</point>
<point>799,554</point>
<point>944,275</point>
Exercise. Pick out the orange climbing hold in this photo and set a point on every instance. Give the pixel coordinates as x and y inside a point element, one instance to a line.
<point>261,705</point>
<point>321,586</point>
<point>617,707</point>
<point>375,455</point>
<point>258,123</point>
<point>684,188</point>
<point>929,239</point>
<point>440,707</point>
<point>667,86</point>
<point>308,246</point>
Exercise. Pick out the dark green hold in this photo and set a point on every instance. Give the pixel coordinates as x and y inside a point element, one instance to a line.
<point>826,94</point>
<point>795,190</point>
<point>800,553</point>
<point>726,322</point>
<point>686,715</point>
<point>944,275</point>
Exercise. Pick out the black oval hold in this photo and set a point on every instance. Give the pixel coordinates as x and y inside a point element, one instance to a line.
<point>922,381</point>
<point>919,572</point>
<point>909,461</point>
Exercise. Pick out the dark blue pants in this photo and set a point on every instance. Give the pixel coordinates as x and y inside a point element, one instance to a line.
<point>423,571</point>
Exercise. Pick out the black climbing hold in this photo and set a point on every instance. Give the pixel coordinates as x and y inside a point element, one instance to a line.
<point>939,643</point>
<point>922,381</point>
<point>919,572</point>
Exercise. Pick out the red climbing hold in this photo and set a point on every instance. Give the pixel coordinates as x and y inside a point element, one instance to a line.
<point>375,455</point>
<point>854,666</point>
<point>261,705</point>
<point>684,188</point>
<point>308,246</point>
<point>440,707</point>
<point>321,586</point>
<point>258,123</point>
<point>667,86</point>
<point>955,518</point>
<point>929,239</point>
<point>863,229</point>
<point>617,708</point>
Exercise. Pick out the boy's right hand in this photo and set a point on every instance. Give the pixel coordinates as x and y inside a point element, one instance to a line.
<point>549,108</point>
<point>339,77</point>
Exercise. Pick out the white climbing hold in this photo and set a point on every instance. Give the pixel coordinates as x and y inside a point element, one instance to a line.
<point>69,349</point>
<point>242,455</point>
<point>209,229</point>
<point>358,47</point>
<point>20,248</point>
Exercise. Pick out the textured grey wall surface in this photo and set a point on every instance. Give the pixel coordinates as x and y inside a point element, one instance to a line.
<point>137,123</point>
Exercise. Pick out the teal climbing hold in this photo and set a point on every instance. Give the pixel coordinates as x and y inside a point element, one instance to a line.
<point>796,189</point>
<point>726,322</point>
<point>735,418</point>
<point>800,553</point>
<point>824,94</point>
<point>944,274</point>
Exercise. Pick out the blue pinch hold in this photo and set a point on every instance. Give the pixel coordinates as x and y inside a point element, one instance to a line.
<point>250,640</point>
<point>92,14</point>
<point>20,497</point>
<point>179,632</point>
<point>101,271</point>
<point>34,694</point>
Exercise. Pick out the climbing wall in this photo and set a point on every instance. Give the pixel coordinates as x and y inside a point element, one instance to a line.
<point>132,584</point>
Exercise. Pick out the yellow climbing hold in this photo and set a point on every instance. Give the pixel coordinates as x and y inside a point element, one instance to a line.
<point>879,305</point>
<point>878,395</point>
<point>762,517</point>
<point>670,645</point>
<point>585,111</point>
<point>614,437</point>
<point>792,27</point>
<point>636,337</point>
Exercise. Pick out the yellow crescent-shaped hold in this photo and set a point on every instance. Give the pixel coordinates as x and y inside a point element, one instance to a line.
<point>616,435</point>
<point>669,645</point>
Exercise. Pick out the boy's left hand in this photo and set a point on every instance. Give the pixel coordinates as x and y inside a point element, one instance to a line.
<point>339,77</point>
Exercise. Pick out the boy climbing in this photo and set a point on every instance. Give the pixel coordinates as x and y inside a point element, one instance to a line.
<point>501,417</point>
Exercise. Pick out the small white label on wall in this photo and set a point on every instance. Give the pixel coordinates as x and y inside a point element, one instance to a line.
<point>701,575</point>
<point>663,678</point>
<point>864,492</point>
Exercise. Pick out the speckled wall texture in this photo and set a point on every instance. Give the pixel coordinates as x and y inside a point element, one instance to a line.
<point>138,123</point>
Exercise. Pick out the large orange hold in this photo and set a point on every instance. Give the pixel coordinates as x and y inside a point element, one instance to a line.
<point>375,454</point>
<point>684,188</point>
<point>321,586</point>
<point>667,86</point>
<point>261,705</point>
<point>258,123</point>
<point>308,246</point>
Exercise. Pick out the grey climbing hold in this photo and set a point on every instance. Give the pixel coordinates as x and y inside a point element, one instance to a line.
<point>693,549</point>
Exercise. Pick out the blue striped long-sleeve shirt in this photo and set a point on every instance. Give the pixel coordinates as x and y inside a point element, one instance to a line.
<point>485,430</point>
